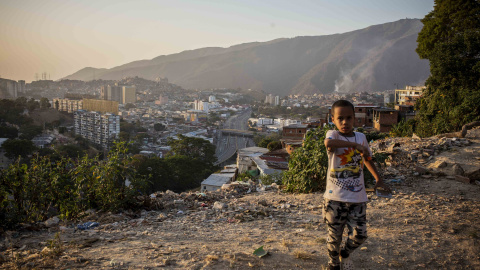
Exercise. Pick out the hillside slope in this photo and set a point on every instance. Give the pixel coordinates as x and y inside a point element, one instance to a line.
<point>370,59</point>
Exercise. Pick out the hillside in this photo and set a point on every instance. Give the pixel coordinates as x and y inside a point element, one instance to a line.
<point>370,59</point>
<point>431,222</point>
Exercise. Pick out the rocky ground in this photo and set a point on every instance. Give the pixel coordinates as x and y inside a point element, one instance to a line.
<point>432,222</point>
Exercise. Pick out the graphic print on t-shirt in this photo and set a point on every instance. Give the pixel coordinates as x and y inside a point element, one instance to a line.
<point>347,175</point>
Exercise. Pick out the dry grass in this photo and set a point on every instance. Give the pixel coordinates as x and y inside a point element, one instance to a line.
<point>211,258</point>
<point>245,239</point>
<point>302,254</point>
<point>270,240</point>
<point>321,240</point>
<point>287,244</point>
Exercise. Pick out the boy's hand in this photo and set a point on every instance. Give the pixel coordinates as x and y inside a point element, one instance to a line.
<point>381,184</point>
<point>363,150</point>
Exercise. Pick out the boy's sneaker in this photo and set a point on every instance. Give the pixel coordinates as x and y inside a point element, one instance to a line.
<point>346,263</point>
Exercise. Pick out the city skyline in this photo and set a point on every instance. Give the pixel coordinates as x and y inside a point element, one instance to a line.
<point>62,37</point>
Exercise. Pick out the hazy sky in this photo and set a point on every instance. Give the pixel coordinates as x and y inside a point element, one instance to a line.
<point>60,37</point>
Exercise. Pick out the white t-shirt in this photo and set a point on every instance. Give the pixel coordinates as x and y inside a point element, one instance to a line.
<point>345,182</point>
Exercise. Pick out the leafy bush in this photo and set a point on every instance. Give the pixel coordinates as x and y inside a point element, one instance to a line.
<point>268,179</point>
<point>403,129</point>
<point>30,193</point>
<point>307,167</point>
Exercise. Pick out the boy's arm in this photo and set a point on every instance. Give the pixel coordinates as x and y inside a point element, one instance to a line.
<point>334,143</point>
<point>379,180</point>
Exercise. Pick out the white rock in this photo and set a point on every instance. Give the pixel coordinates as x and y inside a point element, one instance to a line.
<point>219,205</point>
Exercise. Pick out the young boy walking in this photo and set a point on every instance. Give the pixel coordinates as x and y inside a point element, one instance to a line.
<point>345,196</point>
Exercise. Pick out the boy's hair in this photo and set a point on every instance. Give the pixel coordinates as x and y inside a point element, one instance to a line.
<point>342,103</point>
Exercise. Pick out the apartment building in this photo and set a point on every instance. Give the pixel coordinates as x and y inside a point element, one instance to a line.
<point>8,88</point>
<point>129,94</point>
<point>409,95</point>
<point>67,105</point>
<point>121,94</point>
<point>102,106</point>
<point>96,127</point>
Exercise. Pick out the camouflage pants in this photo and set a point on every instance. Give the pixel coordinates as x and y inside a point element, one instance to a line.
<point>337,215</point>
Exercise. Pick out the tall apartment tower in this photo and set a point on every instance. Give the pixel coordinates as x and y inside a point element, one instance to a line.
<point>270,99</point>
<point>129,94</point>
<point>98,128</point>
<point>67,105</point>
<point>277,100</point>
<point>21,86</point>
<point>115,93</point>
<point>121,94</point>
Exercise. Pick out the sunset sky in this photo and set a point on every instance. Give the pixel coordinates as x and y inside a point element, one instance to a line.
<point>60,37</point>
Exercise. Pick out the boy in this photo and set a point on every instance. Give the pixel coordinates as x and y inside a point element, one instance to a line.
<point>345,195</point>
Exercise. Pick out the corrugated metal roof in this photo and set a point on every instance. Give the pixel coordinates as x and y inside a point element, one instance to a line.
<point>218,179</point>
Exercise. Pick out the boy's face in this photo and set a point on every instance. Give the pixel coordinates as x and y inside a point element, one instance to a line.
<point>343,118</point>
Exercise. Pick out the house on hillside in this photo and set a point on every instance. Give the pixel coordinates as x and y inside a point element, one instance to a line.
<point>43,141</point>
<point>384,119</point>
<point>245,156</point>
<point>216,181</point>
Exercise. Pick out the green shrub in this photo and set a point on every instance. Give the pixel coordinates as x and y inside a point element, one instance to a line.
<point>307,167</point>
<point>403,128</point>
<point>268,179</point>
<point>67,187</point>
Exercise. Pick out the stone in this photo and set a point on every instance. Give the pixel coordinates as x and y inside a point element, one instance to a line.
<point>421,170</point>
<point>415,137</point>
<point>463,179</point>
<point>178,202</point>
<point>219,205</point>
<point>66,230</point>
<point>457,169</point>
<point>52,221</point>
<point>440,164</point>
<point>45,251</point>
<point>473,174</point>
<point>263,202</point>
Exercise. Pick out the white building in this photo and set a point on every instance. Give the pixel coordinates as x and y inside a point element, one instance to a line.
<point>277,100</point>
<point>98,128</point>
<point>245,158</point>
<point>216,181</point>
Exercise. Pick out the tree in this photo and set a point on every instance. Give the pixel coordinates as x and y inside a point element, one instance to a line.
<point>72,151</point>
<point>8,132</point>
<point>32,104</point>
<point>274,145</point>
<point>44,103</point>
<point>194,148</point>
<point>30,131</point>
<point>18,147</point>
<point>450,40</point>
<point>158,127</point>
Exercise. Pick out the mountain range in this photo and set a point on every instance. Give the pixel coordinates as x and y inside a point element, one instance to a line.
<point>376,58</point>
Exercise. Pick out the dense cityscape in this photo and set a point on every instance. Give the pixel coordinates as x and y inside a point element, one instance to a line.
<point>149,113</point>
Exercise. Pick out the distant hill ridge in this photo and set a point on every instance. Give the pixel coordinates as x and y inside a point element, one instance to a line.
<point>370,59</point>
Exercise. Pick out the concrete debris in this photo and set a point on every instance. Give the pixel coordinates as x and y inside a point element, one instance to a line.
<point>52,222</point>
<point>463,179</point>
<point>219,205</point>
<point>457,169</point>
